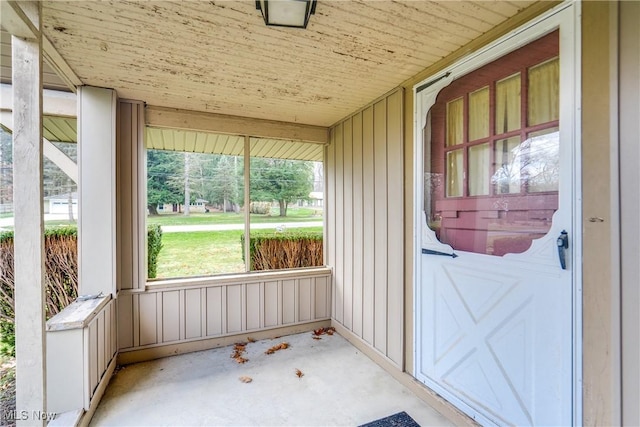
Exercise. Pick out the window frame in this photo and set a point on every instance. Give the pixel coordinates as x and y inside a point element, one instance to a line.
<point>493,138</point>
<point>233,276</point>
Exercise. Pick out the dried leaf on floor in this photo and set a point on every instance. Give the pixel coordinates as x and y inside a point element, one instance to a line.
<point>299,373</point>
<point>315,337</point>
<point>251,339</point>
<point>281,346</point>
<point>328,331</point>
<point>245,380</point>
<point>240,346</point>
<point>241,360</point>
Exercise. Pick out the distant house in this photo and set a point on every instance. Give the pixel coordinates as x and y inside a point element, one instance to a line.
<point>59,204</point>
<point>198,205</point>
<point>316,199</point>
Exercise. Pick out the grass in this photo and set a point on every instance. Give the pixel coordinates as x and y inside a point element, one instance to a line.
<point>7,389</point>
<point>293,215</point>
<point>196,218</point>
<point>203,253</point>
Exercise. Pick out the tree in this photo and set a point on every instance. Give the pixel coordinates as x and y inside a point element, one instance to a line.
<point>6,168</point>
<point>282,180</point>
<point>224,183</point>
<point>187,188</point>
<point>162,167</point>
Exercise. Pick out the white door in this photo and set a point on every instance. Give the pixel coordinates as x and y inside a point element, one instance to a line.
<point>494,290</point>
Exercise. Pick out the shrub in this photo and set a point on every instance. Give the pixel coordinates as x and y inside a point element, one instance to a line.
<point>262,208</point>
<point>154,244</point>
<point>61,278</point>
<point>61,275</point>
<point>290,249</point>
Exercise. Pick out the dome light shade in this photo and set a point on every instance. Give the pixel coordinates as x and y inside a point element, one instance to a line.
<point>286,13</point>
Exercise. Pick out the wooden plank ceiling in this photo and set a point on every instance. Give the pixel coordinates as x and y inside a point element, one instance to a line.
<point>218,56</point>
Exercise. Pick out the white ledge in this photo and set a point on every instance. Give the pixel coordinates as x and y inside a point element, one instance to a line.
<point>78,314</point>
<point>252,277</point>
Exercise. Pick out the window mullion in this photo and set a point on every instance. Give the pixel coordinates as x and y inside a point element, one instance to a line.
<point>247,202</point>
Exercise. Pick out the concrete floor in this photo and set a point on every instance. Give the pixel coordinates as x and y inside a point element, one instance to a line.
<point>340,387</point>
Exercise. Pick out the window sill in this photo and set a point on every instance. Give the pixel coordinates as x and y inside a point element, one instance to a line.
<point>225,279</point>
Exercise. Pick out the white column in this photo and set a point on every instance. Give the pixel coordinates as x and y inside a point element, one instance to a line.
<point>97,190</point>
<point>29,226</point>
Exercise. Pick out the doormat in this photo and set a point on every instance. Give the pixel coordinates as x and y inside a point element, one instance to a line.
<point>401,419</point>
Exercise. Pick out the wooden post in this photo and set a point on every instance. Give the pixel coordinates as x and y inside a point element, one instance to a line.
<point>29,225</point>
<point>97,189</point>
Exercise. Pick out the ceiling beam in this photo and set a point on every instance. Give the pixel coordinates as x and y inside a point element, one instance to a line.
<point>15,19</point>
<point>54,102</point>
<point>161,117</point>
<point>59,65</point>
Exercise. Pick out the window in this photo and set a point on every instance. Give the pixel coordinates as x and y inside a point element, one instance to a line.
<point>495,146</point>
<point>198,200</point>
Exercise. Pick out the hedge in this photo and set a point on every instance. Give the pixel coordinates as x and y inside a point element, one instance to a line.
<point>61,275</point>
<point>154,244</point>
<point>61,278</point>
<point>289,249</point>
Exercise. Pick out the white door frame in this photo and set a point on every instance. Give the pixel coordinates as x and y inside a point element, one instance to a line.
<point>566,16</point>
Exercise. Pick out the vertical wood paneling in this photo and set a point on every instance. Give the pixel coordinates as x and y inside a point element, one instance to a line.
<point>147,318</point>
<point>170,316</point>
<point>271,304</point>
<point>125,321</point>
<point>108,327</point>
<point>93,355</point>
<point>339,237</point>
<point>304,299</point>
<point>368,226</point>
<point>253,306</point>
<point>380,224</point>
<point>129,183</point>
<point>347,234</point>
<point>288,301</point>
<point>395,241</point>
<point>173,315</point>
<point>136,320</point>
<point>330,209</point>
<point>369,240</point>
<point>159,317</point>
<point>358,221</point>
<point>123,179</point>
<point>322,285</point>
<point>234,308</point>
<point>215,303</point>
<point>100,344</point>
<point>114,340</point>
<point>193,313</point>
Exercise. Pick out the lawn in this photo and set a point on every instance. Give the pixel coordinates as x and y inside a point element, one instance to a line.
<point>202,253</point>
<point>293,215</point>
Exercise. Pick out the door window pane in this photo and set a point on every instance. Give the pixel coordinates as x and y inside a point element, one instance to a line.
<point>493,188</point>
<point>479,114</point>
<point>455,118</point>
<point>543,92</point>
<point>543,161</point>
<point>508,155</point>
<point>508,104</point>
<point>455,173</point>
<point>479,158</point>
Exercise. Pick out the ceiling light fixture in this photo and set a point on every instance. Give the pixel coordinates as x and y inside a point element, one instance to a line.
<point>286,13</point>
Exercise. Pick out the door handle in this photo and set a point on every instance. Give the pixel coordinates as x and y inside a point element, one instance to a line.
<point>563,244</point>
<point>432,252</point>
